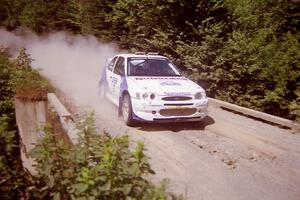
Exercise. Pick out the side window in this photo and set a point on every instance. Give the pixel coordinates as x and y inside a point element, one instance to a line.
<point>120,66</point>
<point>111,64</point>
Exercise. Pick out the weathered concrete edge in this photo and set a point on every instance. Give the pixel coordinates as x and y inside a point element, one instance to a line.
<point>257,114</point>
<point>65,117</point>
<point>59,107</point>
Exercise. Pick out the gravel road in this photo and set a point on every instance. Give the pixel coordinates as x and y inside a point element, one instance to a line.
<point>224,157</point>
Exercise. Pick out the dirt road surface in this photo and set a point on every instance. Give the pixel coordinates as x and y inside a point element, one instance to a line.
<point>226,156</point>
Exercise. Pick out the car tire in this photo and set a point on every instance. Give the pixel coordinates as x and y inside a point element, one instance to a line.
<point>127,110</point>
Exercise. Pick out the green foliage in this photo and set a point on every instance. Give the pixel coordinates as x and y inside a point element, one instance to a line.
<point>86,17</point>
<point>6,90</point>
<point>29,84</point>
<point>9,13</point>
<point>20,80</point>
<point>16,77</point>
<point>78,17</point>
<point>13,179</point>
<point>258,65</point>
<point>97,167</point>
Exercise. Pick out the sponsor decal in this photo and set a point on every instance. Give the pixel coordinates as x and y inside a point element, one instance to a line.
<point>168,83</point>
<point>177,93</point>
<point>160,78</point>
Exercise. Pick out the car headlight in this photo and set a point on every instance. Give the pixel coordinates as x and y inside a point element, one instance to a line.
<point>200,95</point>
<point>145,95</point>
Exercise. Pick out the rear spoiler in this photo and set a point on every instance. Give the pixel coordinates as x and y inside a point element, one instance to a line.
<point>152,53</point>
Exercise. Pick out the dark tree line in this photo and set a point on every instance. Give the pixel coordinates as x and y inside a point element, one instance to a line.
<point>242,51</point>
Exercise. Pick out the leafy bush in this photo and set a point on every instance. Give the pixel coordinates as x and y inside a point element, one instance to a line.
<point>13,179</point>
<point>97,167</point>
<point>28,82</point>
<point>16,77</point>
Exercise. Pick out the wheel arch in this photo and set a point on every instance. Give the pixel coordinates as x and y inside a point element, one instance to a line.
<point>124,92</point>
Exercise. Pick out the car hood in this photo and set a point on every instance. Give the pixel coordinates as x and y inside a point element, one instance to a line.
<point>166,85</point>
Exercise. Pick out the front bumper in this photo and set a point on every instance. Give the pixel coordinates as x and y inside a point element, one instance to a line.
<point>169,111</point>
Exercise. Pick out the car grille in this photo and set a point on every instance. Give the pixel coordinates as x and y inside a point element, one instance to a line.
<point>177,98</point>
<point>177,112</point>
<point>178,104</point>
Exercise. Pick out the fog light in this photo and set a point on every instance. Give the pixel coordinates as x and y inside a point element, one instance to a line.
<point>198,95</point>
<point>145,96</point>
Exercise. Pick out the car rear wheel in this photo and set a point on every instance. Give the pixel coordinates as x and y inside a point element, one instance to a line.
<point>127,110</point>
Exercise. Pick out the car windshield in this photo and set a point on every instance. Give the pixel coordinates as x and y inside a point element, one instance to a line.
<point>151,67</point>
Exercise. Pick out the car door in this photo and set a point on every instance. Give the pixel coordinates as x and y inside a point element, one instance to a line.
<point>118,72</point>
<point>109,76</point>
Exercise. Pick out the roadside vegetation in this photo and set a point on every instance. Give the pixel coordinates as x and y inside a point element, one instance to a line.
<point>242,51</point>
<point>13,179</point>
<point>97,167</point>
<point>16,78</point>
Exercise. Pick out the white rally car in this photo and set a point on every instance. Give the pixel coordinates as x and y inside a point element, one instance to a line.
<point>148,87</point>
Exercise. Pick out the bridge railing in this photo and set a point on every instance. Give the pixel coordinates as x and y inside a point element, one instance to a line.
<point>295,127</point>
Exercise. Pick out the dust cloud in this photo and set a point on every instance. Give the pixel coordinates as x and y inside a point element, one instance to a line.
<point>72,63</point>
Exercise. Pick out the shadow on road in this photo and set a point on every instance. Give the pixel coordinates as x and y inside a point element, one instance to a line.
<point>176,127</point>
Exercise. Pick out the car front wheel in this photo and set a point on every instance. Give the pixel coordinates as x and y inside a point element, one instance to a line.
<point>127,110</point>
